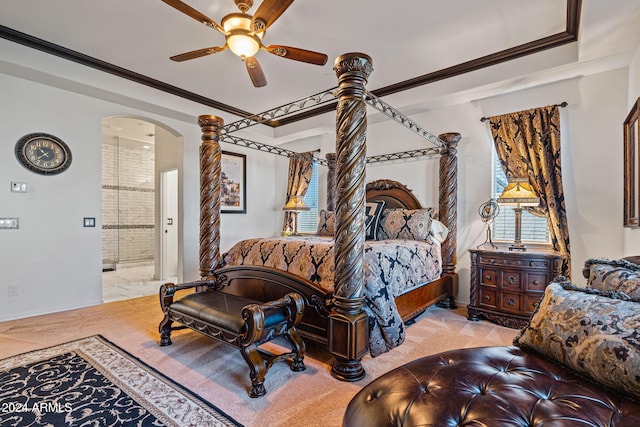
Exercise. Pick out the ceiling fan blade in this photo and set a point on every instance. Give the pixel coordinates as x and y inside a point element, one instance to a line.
<point>267,13</point>
<point>198,53</point>
<point>255,72</point>
<point>189,11</point>
<point>297,54</point>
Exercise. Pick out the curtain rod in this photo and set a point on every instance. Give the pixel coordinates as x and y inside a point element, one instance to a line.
<point>561,105</point>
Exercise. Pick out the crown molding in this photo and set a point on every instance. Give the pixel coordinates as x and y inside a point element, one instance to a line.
<point>570,35</point>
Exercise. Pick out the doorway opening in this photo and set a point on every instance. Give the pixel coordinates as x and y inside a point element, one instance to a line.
<point>134,261</point>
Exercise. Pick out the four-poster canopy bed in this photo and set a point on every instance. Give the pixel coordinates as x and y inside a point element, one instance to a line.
<point>337,316</point>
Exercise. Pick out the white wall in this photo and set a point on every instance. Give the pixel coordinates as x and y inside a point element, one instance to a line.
<point>265,198</point>
<point>47,258</point>
<point>54,262</point>
<point>632,235</point>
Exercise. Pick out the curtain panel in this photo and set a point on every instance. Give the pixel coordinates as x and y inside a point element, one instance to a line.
<point>528,146</point>
<point>300,171</point>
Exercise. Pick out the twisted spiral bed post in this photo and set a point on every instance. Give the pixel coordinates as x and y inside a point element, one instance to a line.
<point>210,172</point>
<point>448,208</point>
<point>348,323</point>
<point>331,181</point>
<point>448,198</point>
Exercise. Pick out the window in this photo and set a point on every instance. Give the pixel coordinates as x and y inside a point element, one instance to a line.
<point>308,220</point>
<point>533,228</point>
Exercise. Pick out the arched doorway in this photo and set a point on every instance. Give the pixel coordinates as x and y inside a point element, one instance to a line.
<point>135,154</point>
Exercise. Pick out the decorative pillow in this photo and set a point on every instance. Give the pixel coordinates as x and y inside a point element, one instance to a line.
<point>408,224</point>
<point>613,276</point>
<point>372,212</point>
<point>589,331</point>
<point>438,231</point>
<point>326,223</point>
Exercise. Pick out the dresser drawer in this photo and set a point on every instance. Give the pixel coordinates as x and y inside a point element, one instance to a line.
<point>510,302</point>
<point>536,282</point>
<point>511,280</point>
<point>515,262</point>
<point>488,297</point>
<point>488,277</point>
<point>531,302</point>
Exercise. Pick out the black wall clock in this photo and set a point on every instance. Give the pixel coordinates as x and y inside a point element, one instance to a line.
<point>43,153</point>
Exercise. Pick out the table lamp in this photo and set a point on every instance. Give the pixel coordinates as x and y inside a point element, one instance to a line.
<point>518,193</point>
<point>294,205</point>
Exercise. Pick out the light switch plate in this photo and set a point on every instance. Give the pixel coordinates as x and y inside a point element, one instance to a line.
<point>18,187</point>
<point>9,223</point>
<point>89,222</point>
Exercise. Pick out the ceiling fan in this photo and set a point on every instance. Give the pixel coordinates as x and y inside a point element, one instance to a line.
<point>243,35</point>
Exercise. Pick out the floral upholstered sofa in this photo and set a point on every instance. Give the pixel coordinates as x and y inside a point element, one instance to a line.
<point>577,363</point>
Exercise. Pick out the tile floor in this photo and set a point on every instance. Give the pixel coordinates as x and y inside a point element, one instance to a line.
<point>130,282</point>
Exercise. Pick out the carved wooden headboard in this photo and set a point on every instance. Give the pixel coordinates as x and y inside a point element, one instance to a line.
<point>393,193</point>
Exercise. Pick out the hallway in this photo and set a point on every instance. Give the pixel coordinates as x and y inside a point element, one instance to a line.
<point>130,282</point>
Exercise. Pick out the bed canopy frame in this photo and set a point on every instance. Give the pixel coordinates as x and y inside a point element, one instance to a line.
<point>348,323</point>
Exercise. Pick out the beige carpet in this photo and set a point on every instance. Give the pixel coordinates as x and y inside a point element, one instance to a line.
<point>218,373</point>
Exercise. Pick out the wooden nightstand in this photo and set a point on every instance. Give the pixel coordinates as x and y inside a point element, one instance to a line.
<point>506,286</point>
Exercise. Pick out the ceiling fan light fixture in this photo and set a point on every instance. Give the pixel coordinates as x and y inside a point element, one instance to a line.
<point>240,39</point>
<point>236,21</point>
<point>243,45</point>
<point>243,36</point>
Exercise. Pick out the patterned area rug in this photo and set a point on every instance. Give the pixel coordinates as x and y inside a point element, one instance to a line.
<point>93,382</point>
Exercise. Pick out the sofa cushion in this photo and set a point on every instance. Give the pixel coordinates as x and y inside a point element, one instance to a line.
<point>613,276</point>
<point>326,223</point>
<point>409,224</point>
<point>592,332</point>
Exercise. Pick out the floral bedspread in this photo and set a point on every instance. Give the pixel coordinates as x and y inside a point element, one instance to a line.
<point>391,268</point>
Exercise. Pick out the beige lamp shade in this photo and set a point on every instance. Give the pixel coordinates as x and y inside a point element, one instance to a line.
<point>296,203</point>
<point>519,192</point>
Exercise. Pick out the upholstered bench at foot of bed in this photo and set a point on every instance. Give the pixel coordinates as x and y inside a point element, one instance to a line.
<point>488,386</point>
<point>241,322</point>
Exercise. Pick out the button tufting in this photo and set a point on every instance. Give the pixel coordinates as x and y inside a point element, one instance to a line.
<point>374,395</point>
<point>534,392</point>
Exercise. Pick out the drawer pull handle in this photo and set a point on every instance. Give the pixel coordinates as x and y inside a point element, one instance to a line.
<point>511,302</point>
<point>487,277</point>
<point>511,280</point>
<point>536,282</point>
<point>487,297</point>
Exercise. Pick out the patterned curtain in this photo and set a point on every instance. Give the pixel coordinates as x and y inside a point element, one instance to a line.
<point>300,170</point>
<point>528,146</point>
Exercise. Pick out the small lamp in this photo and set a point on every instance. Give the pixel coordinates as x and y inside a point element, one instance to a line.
<point>518,193</point>
<point>294,205</point>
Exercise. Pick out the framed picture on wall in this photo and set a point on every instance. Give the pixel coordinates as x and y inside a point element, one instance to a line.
<point>233,185</point>
<point>632,167</point>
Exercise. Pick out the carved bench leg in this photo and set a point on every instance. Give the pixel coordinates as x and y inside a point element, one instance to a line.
<point>258,369</point>
<point>165,330</point>
<point>298,347</point>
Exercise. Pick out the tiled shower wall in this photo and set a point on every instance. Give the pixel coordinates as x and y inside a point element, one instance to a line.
<point>128,195</point>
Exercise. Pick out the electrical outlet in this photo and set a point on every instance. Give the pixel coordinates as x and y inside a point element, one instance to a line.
<point>13,291</point>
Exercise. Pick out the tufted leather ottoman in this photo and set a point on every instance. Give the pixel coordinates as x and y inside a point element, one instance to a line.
<point>487,387</point>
